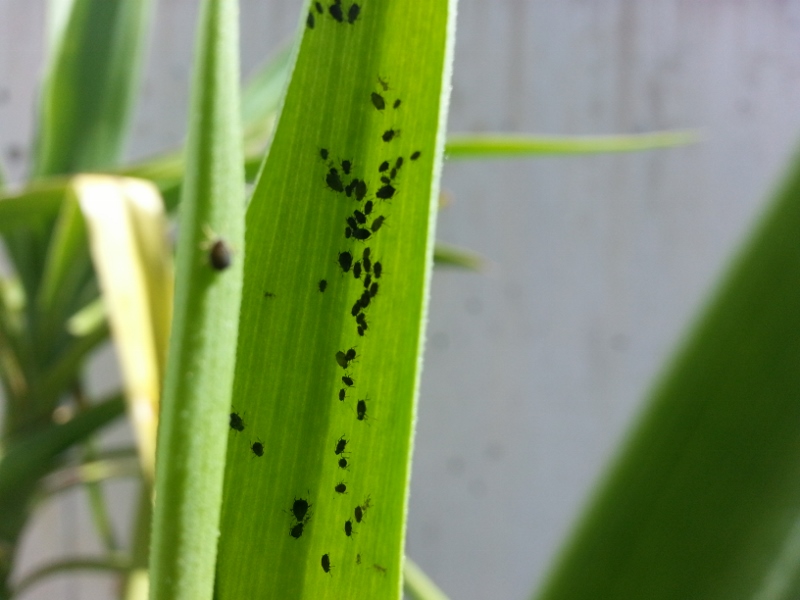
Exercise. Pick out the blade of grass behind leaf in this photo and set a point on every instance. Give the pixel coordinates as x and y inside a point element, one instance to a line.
<point>468,145</point>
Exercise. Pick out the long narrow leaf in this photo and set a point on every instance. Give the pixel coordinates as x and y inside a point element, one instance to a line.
<point>319,449</point>
<point>704,500</point>
<point>90,84</point>
<point>197,388</point>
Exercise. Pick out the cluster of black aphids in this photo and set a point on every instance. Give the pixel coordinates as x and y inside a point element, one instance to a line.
<point>301,514</point>
<point>336,11</point>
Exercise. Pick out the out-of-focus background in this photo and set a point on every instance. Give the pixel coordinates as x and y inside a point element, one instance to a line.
<point>595,265</point>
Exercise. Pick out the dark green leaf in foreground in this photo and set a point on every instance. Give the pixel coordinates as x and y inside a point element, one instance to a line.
<point>704,500</point>
<point>320,439</point>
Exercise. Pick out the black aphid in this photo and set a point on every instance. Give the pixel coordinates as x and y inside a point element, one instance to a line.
<point>297,530</point>
<point>397,103</point>
<point>384,166</point>
<point>377,101</point>
<point>322,285</point>
<point>377,223</point>
<point>341,444</point>
<point>341,488</point>
<point>364,300</point>
<point>399,162</point>
<point>336,12</point>
<point>361,410</point>
<point>351,354</point>
<point>373,289</point>
<point>341,359</point>
<point>353,13</point>
<point>367,281</point>
<point>348,189</point>
<point>415,155</point>
<point>361,319</point>
<point>360,189</point>
<point>300,508</point>
<point>348,233</point>
<point>368,207</point>
<point>384,84</point>
<point>257,448</point>
<point>219,256</point>
<point>333,181</point>
<point>390,134</point>
<point>346,165</point>
<point>377,268</point>
<point>323,153</point>
<point>343,463</point>
<point>393,173</point>
<point>310,25</point>
<point>360,216</point>
<point>342,395</point>
<point>356,308</point>
<point>359,513</point>
<point>269,295</point>
<point>367,251</point>
<point>360,330</point>
<point>345,261</point>
<point>385,179</point>
<point>236,422</point>
<point>386,192</point>
<point>318,6</point>
<point>361,234</point>
<point>358,559</point>
<point>326,561</point>
<point>357,270</point>
<point>348,528</point>
<point>352,222</point>
<point>348,381</point>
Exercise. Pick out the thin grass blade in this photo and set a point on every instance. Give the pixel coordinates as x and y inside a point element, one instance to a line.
<point>492,145</point>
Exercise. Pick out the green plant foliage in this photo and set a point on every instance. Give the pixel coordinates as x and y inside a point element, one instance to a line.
<point>190,457</point>
<point>704,500</point>
<point>91,81</point>
<point>26,459</point>
<point>362,92</point>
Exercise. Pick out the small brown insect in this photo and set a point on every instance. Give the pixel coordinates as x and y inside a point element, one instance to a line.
<point>220,256</point>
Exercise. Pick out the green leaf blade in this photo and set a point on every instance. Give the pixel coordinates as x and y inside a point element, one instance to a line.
<point>190,457</point>
<point>705,496</point>
<point>288,378</point>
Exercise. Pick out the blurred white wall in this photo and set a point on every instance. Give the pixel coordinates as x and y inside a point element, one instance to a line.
<point>535,367</point>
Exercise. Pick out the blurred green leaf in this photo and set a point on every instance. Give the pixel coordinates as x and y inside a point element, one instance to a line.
<point>28,457</point>
<point>704,499</point>
<point>445,255</point>
<point>493,145</point>
<point>361,93</point>
<point>91,81</point>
